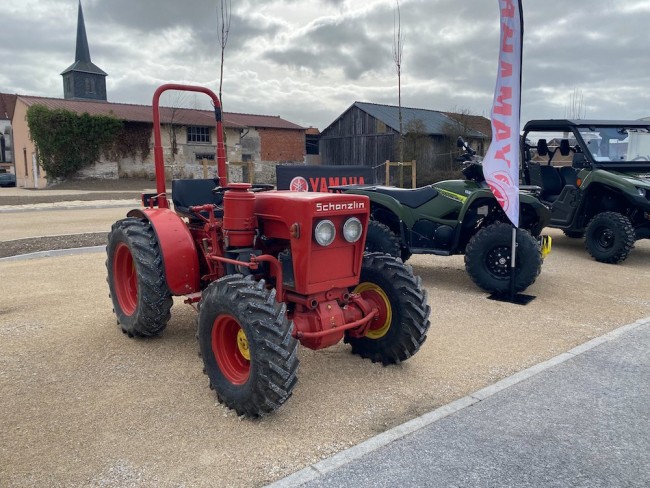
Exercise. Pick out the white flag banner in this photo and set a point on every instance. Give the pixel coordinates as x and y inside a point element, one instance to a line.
<point>501,163</point>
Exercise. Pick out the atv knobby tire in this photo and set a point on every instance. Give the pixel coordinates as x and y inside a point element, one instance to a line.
<point>380,238</point>
<point>402,324</point>
<point>136,278</point>
<point>610,237</point>
<point>246,344</point>
<point>488,254</point>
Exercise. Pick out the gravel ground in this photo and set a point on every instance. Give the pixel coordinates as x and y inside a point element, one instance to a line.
<point>83,405</point>
<point>35,244</point>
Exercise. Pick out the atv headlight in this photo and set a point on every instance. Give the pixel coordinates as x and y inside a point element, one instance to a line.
<point>325,232</point>
<point>352,230</point>
<point>642,192</point>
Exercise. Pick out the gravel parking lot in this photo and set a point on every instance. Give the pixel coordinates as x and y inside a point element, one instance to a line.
<point>83,405</point>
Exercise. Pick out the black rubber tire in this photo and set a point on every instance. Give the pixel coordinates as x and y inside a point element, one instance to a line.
<point>610,237</point>
<point>574,234</point>
<point>380,238</point>
<point>408,304</point>
<point>148,313</point>
<point>487,258</point>
<point>273,360</point>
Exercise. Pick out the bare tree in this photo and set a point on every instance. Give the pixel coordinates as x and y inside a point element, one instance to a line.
<point>398,48</point>
<point>576,108</point>
<point>223,21</point>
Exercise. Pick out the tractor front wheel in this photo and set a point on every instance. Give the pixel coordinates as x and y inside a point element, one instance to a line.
<point>401,326</point>
<point>610,237</point>
<point>136,279</point>
<point>246,344</point>
<point>488,255</point>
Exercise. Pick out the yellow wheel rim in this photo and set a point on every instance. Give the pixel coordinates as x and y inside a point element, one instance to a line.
<point>547,244</point>
<point>242,344</point>
<point>381,323</point>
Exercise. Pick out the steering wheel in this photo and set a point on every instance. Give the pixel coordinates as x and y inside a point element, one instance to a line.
<point>257,187</point>
<point>641,158</point>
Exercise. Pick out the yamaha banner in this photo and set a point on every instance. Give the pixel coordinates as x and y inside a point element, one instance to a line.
<point>501,163</point>
<point>319,178</point>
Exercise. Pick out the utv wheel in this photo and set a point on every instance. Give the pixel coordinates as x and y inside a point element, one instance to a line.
<point>381,239</point>
<point>610,237</point>
<point>136,278</point>
<point>574,234</point>
<point>245,340</point>
<point>401,326</point>
<point>488,254</point>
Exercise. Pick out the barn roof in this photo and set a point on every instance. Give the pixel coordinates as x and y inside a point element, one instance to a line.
<point>435,122</point>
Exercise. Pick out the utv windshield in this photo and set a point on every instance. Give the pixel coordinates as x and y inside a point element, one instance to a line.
<point>617,144</point>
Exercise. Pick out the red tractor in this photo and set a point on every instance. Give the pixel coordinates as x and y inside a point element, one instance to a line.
<point>266,269</point>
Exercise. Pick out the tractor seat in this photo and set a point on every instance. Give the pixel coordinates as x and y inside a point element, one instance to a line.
<point>189,193</point>
<point>551,183</point>
<point>410,197</point>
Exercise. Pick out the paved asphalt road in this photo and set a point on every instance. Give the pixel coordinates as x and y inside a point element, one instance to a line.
<point>584,422</point>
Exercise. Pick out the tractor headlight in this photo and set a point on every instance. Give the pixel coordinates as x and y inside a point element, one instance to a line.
<point>352,230</point>
<point>325,232</point>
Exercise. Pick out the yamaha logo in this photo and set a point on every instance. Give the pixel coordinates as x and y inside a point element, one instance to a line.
<point>333,207</point>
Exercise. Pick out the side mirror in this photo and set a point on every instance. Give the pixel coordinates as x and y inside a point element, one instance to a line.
<point>460,142</point>
<point>579,161</point>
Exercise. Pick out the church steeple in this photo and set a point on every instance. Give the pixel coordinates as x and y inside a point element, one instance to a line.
<point>83,52</point>
<point>83,80</point>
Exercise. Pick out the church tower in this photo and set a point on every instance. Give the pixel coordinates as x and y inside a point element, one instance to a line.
<point>83,80</point>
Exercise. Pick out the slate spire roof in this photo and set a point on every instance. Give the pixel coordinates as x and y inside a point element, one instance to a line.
<point>82,55</point>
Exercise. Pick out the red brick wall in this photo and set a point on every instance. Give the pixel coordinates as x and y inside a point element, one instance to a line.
<point>282,144</point>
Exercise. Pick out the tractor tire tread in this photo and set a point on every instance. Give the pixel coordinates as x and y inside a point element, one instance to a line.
<point>154,298</point>
<point>411,312</point>
<point>274,367</point>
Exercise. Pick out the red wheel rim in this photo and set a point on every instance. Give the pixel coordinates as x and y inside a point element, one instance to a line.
<point>125,279</point>
<point>228,350</point>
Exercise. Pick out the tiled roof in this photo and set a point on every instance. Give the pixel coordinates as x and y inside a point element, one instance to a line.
<point>143,113</point>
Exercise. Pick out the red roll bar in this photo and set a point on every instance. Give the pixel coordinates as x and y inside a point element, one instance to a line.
<point>157,149</point>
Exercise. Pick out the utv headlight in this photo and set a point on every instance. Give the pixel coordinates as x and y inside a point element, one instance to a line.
<point>325,232</point>
<point>352,230</point>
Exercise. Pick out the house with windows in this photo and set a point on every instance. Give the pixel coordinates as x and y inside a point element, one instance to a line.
<point>254,143</point>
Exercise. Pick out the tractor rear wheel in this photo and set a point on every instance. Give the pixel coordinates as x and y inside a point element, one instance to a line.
<point>401,326</point>
<point>488,255</point>
<point>136,278</point>
<point>246,344</point>
<point>610,237</point>
<point>380,238</point>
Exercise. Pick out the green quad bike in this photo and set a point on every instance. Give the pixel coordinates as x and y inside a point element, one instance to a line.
<point>459,217</point>
<point>595,176</point>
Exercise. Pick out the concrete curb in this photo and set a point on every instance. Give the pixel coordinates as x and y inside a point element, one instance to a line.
<point>54,252</point>
<point>325,466</point>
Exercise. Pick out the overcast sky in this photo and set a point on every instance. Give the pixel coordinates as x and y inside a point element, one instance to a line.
<point>308,61</point>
